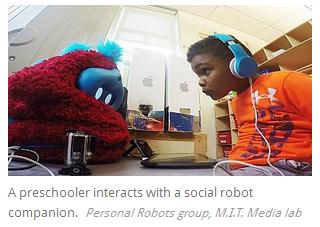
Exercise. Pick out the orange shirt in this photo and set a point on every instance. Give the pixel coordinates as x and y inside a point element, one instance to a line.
<point>284,105</point>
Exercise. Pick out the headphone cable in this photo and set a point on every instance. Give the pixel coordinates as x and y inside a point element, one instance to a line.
<point>258,130</point>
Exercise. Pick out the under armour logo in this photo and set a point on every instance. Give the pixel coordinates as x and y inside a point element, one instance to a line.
<point>256,97</point>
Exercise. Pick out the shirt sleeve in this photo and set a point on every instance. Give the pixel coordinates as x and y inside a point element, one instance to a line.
<point>298,88</point>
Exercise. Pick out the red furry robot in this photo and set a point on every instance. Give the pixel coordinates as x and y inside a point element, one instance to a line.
<point>80,90</point>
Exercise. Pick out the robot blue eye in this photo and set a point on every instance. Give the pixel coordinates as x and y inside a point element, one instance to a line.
<point>98,93</point>
<point>108,99</point>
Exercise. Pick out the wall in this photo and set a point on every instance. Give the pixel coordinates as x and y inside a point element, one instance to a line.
<point>193,28</point>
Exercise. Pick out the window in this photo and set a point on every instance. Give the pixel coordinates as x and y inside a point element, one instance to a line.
<point>148,27</point>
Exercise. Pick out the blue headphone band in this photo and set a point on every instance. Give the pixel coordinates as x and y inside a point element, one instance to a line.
<point>235,48</point>
<point>243,65</point>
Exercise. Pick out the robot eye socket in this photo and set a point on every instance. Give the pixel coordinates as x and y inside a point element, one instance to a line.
<point>98,93</point>
<point>108,99</point>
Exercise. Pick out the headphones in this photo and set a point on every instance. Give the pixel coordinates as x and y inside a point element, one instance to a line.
<point>242,65</point>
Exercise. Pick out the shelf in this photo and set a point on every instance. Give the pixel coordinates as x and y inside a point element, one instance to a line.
<point>226,145</point>
<point>277,47</point>
<point>300,33</point>
<point>230,108</point>
<point>224,130</point>
<point>260,56</point>
<point>233,123</point>
<point>221,102</point>
<point>269,69</point>
<point>234,137</point>
<point>222,124</point>
<point>225,124</point>
<point>284,68</point>
<point>291,51</point>
<point>223,150</point>
<point>293,41</point>
<point>306,69</point>
<point>222,116</point>
<point>221,109</point>
<point>289,59</point>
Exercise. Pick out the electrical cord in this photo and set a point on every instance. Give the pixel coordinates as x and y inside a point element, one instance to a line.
<point>264,138</point>
<point>239,162</point>
<point>14,150</point>
<point>13,156</point>
<point>258,130</point>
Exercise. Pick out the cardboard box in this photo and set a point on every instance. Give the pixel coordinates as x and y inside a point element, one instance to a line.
<point>182,96</point>
<point>226,150</point>
<point>146,91</point>
<point>224,137</point>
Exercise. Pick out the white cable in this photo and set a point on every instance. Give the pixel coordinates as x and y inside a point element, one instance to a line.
<point>242,163</point>
<point>264,138</point>
<point>12,148</point>
<point>258,130</point>
<point>33,161</point>
<point>10,157</point>
<point>17,148</point>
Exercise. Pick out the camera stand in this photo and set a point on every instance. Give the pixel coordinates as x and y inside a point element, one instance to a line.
<point>142,146</point>
<point>75,170</point>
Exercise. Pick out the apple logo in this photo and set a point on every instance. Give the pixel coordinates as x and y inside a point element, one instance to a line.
<point>147,81</point>
<point>184,86</point>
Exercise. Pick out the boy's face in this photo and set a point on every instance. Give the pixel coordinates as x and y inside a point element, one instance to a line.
<point>214,75</point>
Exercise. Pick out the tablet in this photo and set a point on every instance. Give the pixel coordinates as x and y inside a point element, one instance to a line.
<point>179,161</point>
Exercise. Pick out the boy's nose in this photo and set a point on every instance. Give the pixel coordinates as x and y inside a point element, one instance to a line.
<point>202,82</point>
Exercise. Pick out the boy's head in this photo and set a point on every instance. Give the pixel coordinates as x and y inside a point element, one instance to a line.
<point>210,60</point>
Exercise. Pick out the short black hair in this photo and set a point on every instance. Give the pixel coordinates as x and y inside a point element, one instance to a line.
<point>215,47</point>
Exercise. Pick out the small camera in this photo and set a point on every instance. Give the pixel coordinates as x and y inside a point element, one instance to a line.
<point>78,152</point>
